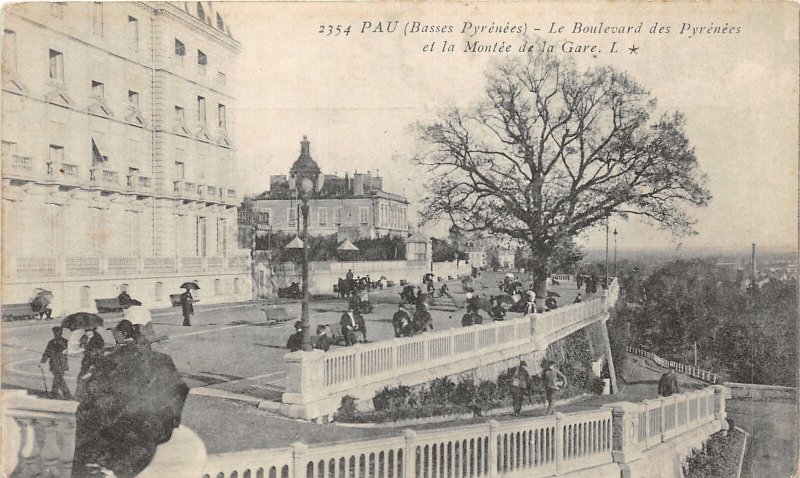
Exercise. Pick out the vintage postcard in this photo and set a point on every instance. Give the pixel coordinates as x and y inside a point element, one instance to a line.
<point>399,239</point>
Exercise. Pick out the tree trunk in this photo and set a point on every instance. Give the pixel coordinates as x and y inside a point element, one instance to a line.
<point>539,272</point>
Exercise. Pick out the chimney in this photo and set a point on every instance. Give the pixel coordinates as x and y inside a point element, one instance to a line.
<point>358,184</point>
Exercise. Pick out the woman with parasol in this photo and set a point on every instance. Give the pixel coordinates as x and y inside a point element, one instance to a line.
<point>91,342</point>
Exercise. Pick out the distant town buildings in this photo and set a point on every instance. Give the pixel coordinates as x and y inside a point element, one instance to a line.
<point>353,208</point>
<point>119,168</point>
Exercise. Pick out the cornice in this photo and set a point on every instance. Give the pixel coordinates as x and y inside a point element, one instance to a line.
<point>174,13</point>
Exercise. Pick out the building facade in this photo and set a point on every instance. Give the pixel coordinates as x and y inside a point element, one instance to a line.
<point>353,208</point>
<point>118,158</point>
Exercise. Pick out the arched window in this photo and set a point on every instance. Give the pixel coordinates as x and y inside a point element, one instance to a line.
<point>217,286</point>
<point>86,296</point>
<point>200,12</point>
<point>158,291</point>
<point>236,286</point>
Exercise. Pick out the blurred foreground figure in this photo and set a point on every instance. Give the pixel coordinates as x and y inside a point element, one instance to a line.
<point>133,401</point>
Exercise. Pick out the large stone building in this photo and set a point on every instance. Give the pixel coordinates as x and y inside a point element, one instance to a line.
<point>353,208</point>
<point>118,154</point>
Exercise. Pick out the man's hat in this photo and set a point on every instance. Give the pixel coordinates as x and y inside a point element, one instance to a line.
<point>522,363</point>
<point>298,325</point>
<point>57,329</point>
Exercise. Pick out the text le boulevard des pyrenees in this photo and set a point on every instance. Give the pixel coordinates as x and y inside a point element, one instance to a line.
<point>488,38</point>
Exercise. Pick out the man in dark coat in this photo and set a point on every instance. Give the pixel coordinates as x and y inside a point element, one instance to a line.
<point>553,380</point>
<point>520,386</point>
<point>295,342</point>
<point>187,306</point>
<point>56,353</point>
<point>351,322</point>
<point>401,321</point>
<point>134,400</point>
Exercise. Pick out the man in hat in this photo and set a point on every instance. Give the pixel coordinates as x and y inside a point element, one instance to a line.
<point>520,386</point>
<point>350,323</point>
<point>553,381</point>
<point>295,342</point>
<point>187,306</point>
<point>322,341</point>
<point>56,353</point>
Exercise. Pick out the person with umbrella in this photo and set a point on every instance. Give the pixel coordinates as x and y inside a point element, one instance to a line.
<point>56,354</point>
<point>92,344</point>
<point>187,302</point>
<point>134,400</point>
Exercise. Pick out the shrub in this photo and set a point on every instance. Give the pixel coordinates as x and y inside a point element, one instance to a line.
<point>347,409</point>
<point>388,398</point>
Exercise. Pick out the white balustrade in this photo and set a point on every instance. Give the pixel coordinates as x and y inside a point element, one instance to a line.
<point>526,447</point>
<point>82,266</point>
<point>36,266</point>
<point>695,372</point>
<point>191,264</point>
<point>38,435</point>
<point>122,265</point>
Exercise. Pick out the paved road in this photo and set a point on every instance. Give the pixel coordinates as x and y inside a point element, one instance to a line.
<point>229,348</point>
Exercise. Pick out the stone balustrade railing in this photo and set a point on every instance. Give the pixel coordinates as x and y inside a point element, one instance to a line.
<point>124,266</point>
<point>694,372</point>
<point>317,380</point>
<point>38,435</point>
<point>607,439</point>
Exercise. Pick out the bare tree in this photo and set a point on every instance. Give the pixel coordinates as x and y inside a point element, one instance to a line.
<point>551,150</point>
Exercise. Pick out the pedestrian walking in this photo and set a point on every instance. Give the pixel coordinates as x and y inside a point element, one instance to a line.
<point>187,306</point>
<point>134,400</point>
<point>56,354</point>
<point>553,380</point>
<point>668,384</point>
<point>520,386</point>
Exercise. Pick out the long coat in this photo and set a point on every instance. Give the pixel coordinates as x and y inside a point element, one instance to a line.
<point>187,302</point>
<point>55,354</point>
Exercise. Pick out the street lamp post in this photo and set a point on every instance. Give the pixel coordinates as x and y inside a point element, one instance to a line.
<point>615,252</point>
<point>606,253</point>
<point>305,176</point>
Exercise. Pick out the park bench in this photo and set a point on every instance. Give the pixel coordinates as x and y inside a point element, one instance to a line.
<point>277,315</point>
<point>147,331</point>
<point>109,305</point>
<point>12,312</point>
<point>175,299</point>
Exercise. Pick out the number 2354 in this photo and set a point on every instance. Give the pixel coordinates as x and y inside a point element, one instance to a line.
<point>334,30</point>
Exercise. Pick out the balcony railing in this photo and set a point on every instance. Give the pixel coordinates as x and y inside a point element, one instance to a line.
<point>145,182</point>
<point>110,177</point>
<point>21,162</point>
<point>71,170</point>
<point>27,267</point>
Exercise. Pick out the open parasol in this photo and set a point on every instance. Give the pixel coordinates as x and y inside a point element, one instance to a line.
<point>190,286</point>
<point>82,320</point>
<point>550,293</point>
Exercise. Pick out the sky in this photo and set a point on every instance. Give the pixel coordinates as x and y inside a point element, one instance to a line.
<point>355,96</point>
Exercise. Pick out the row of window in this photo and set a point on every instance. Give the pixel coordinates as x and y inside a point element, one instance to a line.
<point>391,216</point>
<point>322,216</point>
<point>98,22</point>
<point>222,119</point>
<point>98,91</point>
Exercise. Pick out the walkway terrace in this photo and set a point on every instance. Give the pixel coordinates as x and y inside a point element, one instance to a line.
<point>648,438</point>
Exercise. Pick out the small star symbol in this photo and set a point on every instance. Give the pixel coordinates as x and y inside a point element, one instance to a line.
<point>633,49</point>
